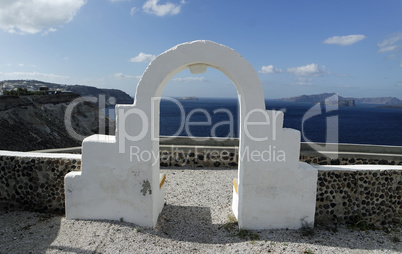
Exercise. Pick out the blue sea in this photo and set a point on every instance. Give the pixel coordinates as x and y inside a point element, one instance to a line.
<point>362,124</point>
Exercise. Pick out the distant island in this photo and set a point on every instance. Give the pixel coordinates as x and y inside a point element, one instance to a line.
<point>191,98</point>
<point>347,103</point>
<point>344,101</point>
<point>391,106</point>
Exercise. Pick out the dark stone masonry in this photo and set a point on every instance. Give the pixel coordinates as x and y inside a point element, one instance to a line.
<point>373,196</point>
<point>34,184</point>
<point>343,196</point>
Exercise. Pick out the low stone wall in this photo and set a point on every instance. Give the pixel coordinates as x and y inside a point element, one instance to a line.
<point>359,193</point>
<point>373,193</point>
<point>34,181</point>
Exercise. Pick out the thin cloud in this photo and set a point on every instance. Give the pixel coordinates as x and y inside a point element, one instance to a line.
<point>31,75</point>
<point>152,7</point>
<point>133,11</point>
<point>35,16</point>
<point>269,69</point>
<point>142,58</point>
<point>304,81</point>
<point>346,86</point>
<point>345,40</point>
<point>391,44</point>
<point>391,47</point>
<point>308,70</point>
<point>189,79</point>
<point>50,30</point>
<point>124,76</point>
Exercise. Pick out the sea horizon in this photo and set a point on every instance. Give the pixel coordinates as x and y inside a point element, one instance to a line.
<point>369,124</point>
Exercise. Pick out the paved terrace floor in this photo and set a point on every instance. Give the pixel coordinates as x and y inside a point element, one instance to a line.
<point>194,220</point>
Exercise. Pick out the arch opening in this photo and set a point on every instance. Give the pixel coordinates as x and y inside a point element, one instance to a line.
<point>203,128</point>
<point>213,119</point>
<point>204,106</point>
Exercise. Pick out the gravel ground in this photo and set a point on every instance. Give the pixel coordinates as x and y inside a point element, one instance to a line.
<point>196,218</point>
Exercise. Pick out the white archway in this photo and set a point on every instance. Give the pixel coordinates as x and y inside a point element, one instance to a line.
<point>201,54</point>
<point>269,193</point>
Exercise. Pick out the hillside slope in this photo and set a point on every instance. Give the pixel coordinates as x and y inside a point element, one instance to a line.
<point>119,96</point>
<point>38,122</point>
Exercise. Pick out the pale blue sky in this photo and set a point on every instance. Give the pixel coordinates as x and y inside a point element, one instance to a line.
<point>298,47</point>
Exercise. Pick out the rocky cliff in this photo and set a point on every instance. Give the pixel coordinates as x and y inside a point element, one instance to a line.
<point>38,122</point>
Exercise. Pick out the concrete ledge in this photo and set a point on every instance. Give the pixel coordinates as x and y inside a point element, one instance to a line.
<point>358,167</point>
<point>74,150</point>
<point>40,155</point>
<point>197,141</point>
<point>353,151</point>
<point>356,151</point>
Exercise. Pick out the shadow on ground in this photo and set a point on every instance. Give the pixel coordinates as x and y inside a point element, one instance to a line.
<point>180,228</point>
<point>22,232</point>
<point>194,224</point>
